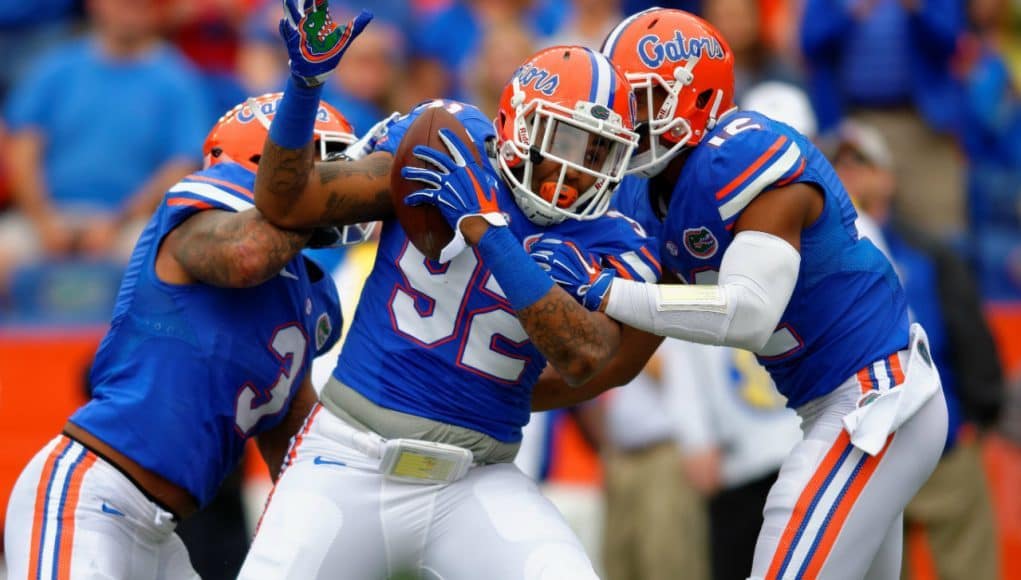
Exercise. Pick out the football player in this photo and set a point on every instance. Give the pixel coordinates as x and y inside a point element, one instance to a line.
<point>213,334</point>
<point>757,227</point>
<point>407,462</point>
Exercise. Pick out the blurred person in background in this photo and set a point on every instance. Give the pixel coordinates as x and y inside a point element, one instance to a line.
<point>24,34</point>
<point>208,32</point>
<point>888,63</point>
<point>655,525</point>
<point>364,87</point>
<point>262,61</point>
<point>740,23</point>
<point>992,118</point>
<point>5,175</point>
<point>503,48</point>
<point>954,506</point>
<point>443,41</point>
<point>587,24</point>
<point>88,170</point>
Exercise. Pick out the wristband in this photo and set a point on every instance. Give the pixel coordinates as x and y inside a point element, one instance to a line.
<point>295,117</point>
<point>522,280</point>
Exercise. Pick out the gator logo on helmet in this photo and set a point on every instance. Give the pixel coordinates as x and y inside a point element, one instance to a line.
<point>544,82</point>
<point>600,112</point>
<point>653,51</point>
<point>321,39</point>
<point>700,242</point>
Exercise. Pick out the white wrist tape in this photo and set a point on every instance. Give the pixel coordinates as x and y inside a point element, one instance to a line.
<point>757,278</point>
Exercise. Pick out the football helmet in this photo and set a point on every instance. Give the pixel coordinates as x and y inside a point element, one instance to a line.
<point>240,133</point>
<point>564,134</point>
<point>689,60</point>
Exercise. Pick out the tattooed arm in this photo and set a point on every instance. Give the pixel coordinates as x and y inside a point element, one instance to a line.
<point>295,193</point>
<point>575,341</point>
<point>636,348</point>
<point>227,249</point>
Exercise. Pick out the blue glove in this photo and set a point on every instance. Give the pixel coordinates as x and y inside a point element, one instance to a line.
<point>459,186</point>
<point>314,43</point>
<point>578,274</point>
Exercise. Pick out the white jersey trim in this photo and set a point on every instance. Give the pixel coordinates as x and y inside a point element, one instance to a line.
<point>772,173</point>
<point>213,193</point>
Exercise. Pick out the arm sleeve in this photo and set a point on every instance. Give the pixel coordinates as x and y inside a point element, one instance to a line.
<point>757,278</point>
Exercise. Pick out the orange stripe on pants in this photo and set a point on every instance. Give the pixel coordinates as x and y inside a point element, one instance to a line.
<point>40,505</point>
<point>833,528</point>
<point>801,508</point>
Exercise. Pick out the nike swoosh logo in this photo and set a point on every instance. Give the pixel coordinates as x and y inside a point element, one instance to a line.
<point>111,510</point>
<point>320,461</point>
<point>287,274</point>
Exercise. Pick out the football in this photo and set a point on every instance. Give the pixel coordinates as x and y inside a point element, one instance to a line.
<point>424,225</point>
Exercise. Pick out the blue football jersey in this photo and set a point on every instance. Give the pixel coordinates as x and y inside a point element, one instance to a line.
<point>848,308</point>
<point>440,340</point>
<point>187,373</point>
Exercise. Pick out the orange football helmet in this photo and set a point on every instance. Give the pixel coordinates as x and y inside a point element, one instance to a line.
<point>685,56</point>
<point>569,111</point>
<point>239,134</point>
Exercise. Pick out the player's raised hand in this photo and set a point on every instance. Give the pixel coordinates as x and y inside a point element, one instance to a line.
<point>458,185</point>
<point>314,42</point>
<point>573,270</point>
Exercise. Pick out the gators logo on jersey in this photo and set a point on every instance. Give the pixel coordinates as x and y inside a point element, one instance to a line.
<point>324,327</point>
<point>321,39</point>
<point>700,242</point>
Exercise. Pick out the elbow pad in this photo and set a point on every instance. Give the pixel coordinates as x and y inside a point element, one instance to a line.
<point>757,278</point>
<point>758,274</point>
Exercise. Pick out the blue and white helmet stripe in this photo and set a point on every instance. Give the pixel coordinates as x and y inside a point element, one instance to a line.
<point>603,80</point>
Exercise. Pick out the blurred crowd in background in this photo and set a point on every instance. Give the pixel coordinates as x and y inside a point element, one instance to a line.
<point>106,104</point>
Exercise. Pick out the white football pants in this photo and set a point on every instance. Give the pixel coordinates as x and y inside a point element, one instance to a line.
<point>73,515</point>
<point>835,512</point>
<point>333,514</point>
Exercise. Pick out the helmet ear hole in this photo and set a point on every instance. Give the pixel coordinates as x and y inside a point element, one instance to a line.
<point>216,152</point>
<point>255,158</point>
<point>703,98</point>
<point>334,148</point>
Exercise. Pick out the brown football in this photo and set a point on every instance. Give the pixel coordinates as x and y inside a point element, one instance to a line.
<point>424,225</point>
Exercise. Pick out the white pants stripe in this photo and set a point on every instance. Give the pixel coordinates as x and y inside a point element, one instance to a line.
<point>73,515</point>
